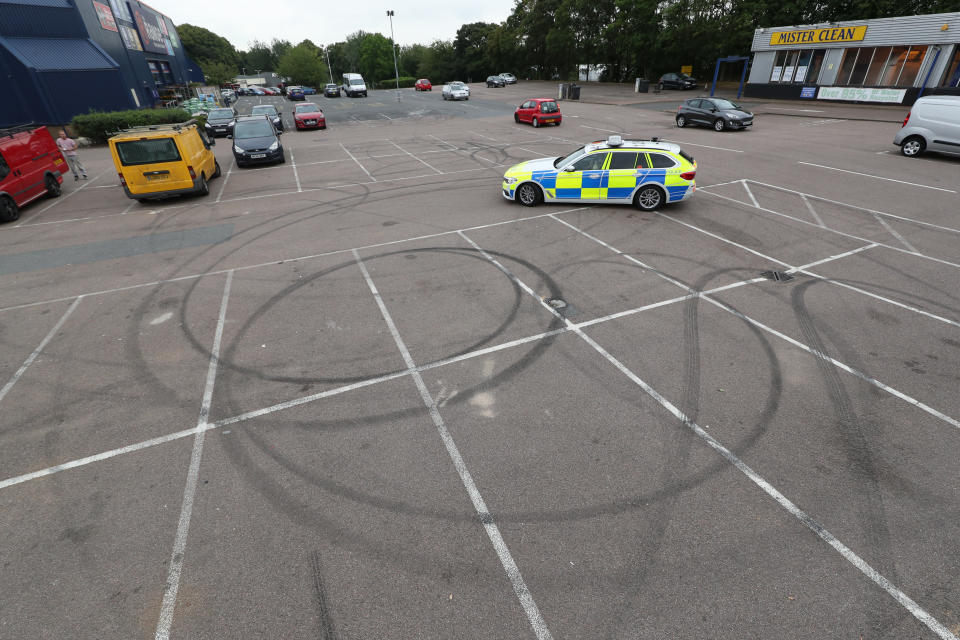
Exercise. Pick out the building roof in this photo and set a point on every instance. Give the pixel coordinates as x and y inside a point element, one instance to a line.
<point>60,4</point>
<point>58,54</point>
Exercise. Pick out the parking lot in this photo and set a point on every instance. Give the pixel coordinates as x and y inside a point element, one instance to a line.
<point>360,395</point>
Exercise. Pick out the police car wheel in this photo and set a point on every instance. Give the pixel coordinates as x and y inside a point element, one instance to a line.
<point>529,195</point>
<point>53,187</point>
<point>719,124</point>
<point>912,146</point>
<point>681,122</point>
<point>9,211</point>
<point>648,198</point>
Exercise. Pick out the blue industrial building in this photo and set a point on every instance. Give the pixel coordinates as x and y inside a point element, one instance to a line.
<point>59,58</point>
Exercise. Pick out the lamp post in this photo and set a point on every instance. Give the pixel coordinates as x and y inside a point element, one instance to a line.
<point>393,46</point>
<point>329,68</point>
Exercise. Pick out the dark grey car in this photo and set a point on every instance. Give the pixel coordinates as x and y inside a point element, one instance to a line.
<point>713,112</point>
<point>495,81</point>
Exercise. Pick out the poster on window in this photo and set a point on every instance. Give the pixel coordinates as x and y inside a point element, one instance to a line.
<point>120,10</point>
<point>105,16</point>
<point>148,24</point>
<point>172,34</point>
<point>861,94</point>
<point>130,38</point>
<point>801,74</point>
<point>775,76</point>
<point>787,74</point>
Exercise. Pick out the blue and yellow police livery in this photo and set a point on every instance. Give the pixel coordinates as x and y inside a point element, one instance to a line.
<point>644,173</point>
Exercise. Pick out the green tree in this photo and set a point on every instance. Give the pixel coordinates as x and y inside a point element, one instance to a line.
<point>218,73</point>
<point>302,65</point>
<point>259,56</point>
<point>438,62</point>
<point>279,48</point>
<point>207,48</point>
<point>376,58</point>
<point>470,48</point>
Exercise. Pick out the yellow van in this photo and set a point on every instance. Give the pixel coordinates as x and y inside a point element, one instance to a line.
<point>164,160</point>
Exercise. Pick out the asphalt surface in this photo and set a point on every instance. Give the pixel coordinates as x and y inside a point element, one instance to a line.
<point>330,399</point>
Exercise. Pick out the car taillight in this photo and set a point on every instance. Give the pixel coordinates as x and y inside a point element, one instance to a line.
<point>123,181</point>
<point>906,120</point>
<point>679,106</point>
<point>193,174</point>
<point>688,175</point>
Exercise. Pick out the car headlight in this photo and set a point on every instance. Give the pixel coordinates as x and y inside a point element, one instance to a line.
<point>274,146</point>
<point>232,122</point>
<point>237,149</point>
<point>509,180</point>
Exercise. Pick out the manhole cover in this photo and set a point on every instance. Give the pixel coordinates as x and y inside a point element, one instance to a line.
<point>777,276</point>
<point>557,303</point>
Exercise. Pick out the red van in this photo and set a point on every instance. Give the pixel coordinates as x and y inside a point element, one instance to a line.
<point>31,166</point>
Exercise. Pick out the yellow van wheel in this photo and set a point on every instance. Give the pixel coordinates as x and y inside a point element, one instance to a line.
<point>216,169</point>
<point>204,187</point>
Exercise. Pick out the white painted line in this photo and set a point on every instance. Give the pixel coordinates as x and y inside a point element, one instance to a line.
<point>226,179</point>
<point>719,184</point>
<point>358,163</point>
<point>705,146</point>
<point>415,157</point>
<point>483,136</point>
<point>754,477</point>
<point>129,206</point>
<point>839,256</point>
<point>57,201</point>
<point>583,126</point>
<point>893,232</point>
<point>455,148</point>
<point>750,193</point>
<point>385,116</point>
<point>869,175</point>
<point>296,176</point>
<point>33,356</point>
<point>180,542</point>
<point>813,212</point>
<point>853,206</point>
<point>840,233</point>
<point>493,532</point>
<point>802,110</point>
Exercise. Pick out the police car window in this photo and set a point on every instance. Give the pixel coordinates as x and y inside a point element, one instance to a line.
<point>660,161</point>
<point>590,163</point>
<point>642,161</point>
<point>623,160</point>
<point>4,169</point>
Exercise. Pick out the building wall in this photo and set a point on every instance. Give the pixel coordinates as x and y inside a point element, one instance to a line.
<point>902,30</point>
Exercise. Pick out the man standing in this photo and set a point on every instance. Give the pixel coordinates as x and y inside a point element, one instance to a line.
<point>69,148</point>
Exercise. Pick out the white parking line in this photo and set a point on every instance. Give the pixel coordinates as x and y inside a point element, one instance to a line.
<point>812,211</point>
<point>583,126</point>
<point>705,146</point>
<point>750,193</point>
<point>66,197</point>
<point>870,175</point>
<point>802,110</point>
<point>486,518</point>
<point>415,157</point>
<point>226,179</point>
<point>358,162</point>
<point>296,176</point>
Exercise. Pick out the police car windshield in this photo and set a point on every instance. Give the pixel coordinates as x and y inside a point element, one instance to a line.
<point>559,162</point>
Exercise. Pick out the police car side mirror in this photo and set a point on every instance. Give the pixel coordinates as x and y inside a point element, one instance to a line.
<point>569,167</point>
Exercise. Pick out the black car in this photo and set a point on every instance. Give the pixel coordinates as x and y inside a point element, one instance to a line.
<point>331,91</point>
<point>713,112</point>
<point>256,140</point>
<point>677,81</point>
<point>270,111</point>
<point>495,81</point>
<point>220,122</point>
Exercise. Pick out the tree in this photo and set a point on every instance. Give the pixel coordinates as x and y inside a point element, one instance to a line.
<point>208,48</point>
<point>259,56</point>
<point>438,62</point>
<point>470,47</point>
<point>376,58</point>
<point>302,65</point>
<point>218,73</point>
<point>279,48</point>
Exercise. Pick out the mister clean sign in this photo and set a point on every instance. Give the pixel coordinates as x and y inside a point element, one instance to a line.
<point>819,36</point>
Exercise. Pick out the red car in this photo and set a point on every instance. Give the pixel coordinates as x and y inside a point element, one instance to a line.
<point>309,116</point>
<point>538,111</point>
<point>423,85</point>
<point>31,166</point>
<point>269,91</point>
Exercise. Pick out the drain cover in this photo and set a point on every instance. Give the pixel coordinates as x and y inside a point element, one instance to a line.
<point>778,276</point>
<point>557,303</point>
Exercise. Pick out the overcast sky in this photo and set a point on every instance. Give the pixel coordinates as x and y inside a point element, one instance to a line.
<point>326,22</point>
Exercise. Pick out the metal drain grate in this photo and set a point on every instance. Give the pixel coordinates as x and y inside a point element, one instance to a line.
<point>777,276</point>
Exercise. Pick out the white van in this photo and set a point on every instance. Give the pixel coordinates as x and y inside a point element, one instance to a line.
<point>933,124</point>
<point>353,85</point>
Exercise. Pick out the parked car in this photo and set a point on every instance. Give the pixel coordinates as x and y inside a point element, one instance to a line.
<point>645,173</point>
<point>423,84</point>
<point>538,111</point>
<point>309,91</point>
<point>271,111</point>
<point>509,78</point>
<point>256,140</point>
<point>31,166</point>
<point>677,81</point>
<point>455,91</point>
<point>295,93</point>
<point>331,91</point>
<point>270,91</point>
<point>713,112</point>
<point>496,81</point>
<point>220,122</point>
<point>309,116</point>
<point>255,91</point>
<point>164,160</point>
<point>932,124</point>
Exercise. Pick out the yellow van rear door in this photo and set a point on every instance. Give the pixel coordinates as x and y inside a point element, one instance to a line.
<point>153,164</point>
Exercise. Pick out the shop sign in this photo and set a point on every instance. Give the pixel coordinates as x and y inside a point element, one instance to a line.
<point>687,69</point>
<point>861,94</point>
<point>808,92</point>
<point>151,27</point>
<point>819,36</point>
<point>105,15</point>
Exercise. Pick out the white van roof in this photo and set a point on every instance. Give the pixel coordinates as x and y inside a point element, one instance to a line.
<point>951,100</point>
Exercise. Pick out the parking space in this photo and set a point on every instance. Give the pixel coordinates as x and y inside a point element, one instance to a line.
<point>360,395</point>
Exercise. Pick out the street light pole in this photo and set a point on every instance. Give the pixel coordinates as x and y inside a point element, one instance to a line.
<point>329,68</point>
<point>393,46</point>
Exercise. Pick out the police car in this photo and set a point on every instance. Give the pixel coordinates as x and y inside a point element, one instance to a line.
<point>645,173</point>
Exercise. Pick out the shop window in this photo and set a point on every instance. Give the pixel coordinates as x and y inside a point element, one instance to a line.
<point>875,72</point>
<point>816,63</point>
<point>911,66</point>
<point>891,71</point>
<point>778,65</point>
<point>166,73</point>
<point>860,66</point>
<point>846,67</point>
<point>790,66</point>
<point>952,77</point>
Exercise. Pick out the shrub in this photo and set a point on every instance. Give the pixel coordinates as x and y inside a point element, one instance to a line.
<point>100,125</point>
<point>391,83</point>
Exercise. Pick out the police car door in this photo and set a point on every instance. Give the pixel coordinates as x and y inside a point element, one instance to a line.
<point>622,174</point>
<point>584,180</point>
